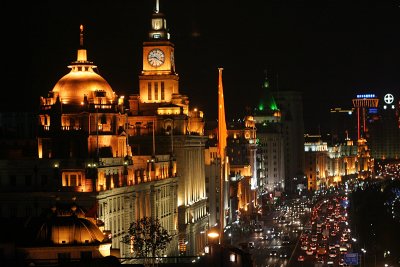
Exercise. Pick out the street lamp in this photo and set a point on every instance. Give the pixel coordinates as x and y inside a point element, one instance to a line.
<point>213,235</point>
<point>364,251</point>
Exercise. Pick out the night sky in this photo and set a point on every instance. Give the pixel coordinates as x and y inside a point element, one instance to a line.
<point>328,50</point>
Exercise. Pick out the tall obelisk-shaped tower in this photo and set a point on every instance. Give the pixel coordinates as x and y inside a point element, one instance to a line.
<point>222,136</point>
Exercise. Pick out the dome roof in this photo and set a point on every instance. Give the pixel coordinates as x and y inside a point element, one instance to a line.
<point>83,82</point>
<point>67,226</point>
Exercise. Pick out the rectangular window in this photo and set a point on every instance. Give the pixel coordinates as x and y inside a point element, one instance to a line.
<point>73,180</point>
<point>156,90</point>
<point>162,91</point>
<point>149,91</point>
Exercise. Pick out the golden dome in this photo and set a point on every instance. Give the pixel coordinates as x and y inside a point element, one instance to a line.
<point>68,226</point>
<point>83,82</point>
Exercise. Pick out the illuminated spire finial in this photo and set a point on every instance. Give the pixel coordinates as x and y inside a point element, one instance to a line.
<point>82,57</point>
<point>157,6</point>
<point>266,83</point>
<point>81,36</point>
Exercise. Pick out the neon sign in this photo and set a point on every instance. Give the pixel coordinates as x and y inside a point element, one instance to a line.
<point>366,96</point>
<point>388,98</point>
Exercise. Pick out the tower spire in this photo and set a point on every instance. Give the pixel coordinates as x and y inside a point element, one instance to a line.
<point>267,101</point>
<point>82,53</point>
<point>158,29</point>
<point>81,36</point>
<point>222,136</point>
<point>221,117</point>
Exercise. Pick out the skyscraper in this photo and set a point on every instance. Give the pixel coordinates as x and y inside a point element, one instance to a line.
<point>270,149</point>
<point>291,106</point>
<point>384,128</point>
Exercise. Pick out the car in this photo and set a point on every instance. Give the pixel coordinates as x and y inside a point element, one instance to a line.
<point>283,254</point>
<point>266,237</point>
<point>321,251</point>
<point>285,239</point>
<point>330,263</point>
<point>343,249</point>
<point>269,230</point>
<point>273,253</point>
<point>251,244</point>
<point>314,238</point>
<point>320,259</point>
<point>309,252</point>
<point>332,253</point>
<point>313,246</point>
<point>300,258</point>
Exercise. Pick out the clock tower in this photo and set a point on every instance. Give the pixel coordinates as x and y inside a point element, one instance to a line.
<point>158,80</point>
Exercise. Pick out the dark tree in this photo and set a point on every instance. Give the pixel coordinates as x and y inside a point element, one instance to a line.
<point>148,238</point>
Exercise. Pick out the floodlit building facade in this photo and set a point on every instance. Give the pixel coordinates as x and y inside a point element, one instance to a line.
<point>168,143</point>
<point>120,158</point>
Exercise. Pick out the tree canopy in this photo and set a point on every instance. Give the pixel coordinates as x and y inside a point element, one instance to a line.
<point>147,237</point>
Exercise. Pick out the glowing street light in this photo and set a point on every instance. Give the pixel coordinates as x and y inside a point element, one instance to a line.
<point>213,235</point>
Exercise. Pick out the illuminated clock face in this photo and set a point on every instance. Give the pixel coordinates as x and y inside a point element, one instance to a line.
<point>156,57</point>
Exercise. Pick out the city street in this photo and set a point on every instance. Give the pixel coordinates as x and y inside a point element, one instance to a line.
<point>275,244</point>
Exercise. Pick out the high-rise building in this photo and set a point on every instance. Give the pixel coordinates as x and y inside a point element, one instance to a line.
<point>384,128</point>
<point>241,151</point>
<point>364,104</point>
<point>159,122</point>
<point>291,107</point>
<point>270,144</point>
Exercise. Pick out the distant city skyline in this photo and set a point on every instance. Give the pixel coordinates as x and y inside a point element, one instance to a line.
<point>330,52</point>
